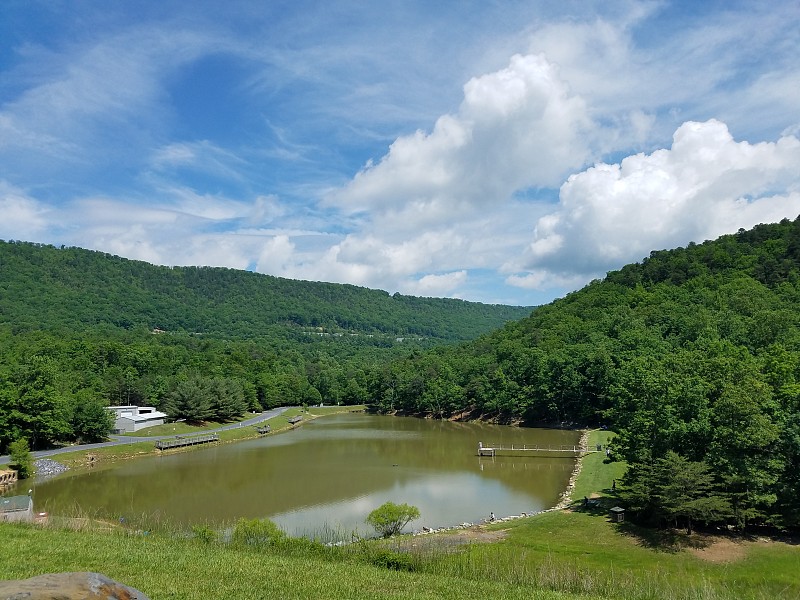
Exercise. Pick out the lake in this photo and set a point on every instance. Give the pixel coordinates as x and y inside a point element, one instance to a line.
<point>327,474</point>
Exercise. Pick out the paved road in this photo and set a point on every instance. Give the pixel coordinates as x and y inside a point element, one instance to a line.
<point>119,440</point>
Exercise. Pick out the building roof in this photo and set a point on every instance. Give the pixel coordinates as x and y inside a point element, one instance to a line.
<point>145,417</point>
<point>137,413</point>
<point>12,503</point>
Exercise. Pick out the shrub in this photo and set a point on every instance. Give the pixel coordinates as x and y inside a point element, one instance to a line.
<point>205,534</point>
<point>393,561</point>
<point>389,519</point>
<point>256,532</point>
<point>21,458</point>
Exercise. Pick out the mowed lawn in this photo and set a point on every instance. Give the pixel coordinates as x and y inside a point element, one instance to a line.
<point>585,552</point>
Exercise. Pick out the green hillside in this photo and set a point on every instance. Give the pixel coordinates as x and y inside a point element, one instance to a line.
<point>81,330</point>
<point>43,287</point>
<point>692,355</point>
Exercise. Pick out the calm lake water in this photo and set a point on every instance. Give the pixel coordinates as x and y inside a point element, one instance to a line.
<point>329,473</point>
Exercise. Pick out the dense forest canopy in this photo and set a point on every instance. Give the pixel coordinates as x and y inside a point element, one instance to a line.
<point>48,288</point>
<point>81,330</point>
<point>692,355</point>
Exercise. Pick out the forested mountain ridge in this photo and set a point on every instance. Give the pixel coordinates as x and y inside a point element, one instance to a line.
<point>692,355</point>
<point>43,287</point>
<point>81,330</point>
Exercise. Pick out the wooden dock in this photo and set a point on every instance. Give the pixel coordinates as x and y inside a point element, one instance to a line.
<point>563,449</point>
<point>7,477</point>
<point>181,441</point>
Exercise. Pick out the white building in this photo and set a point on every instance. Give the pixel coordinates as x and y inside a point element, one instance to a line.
<point>133,418</point>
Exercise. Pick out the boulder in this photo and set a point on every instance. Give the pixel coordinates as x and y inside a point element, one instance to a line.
<point>68,586</point>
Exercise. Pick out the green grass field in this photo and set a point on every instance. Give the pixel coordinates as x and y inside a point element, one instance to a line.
<point>597,475</point>
<point>176,568</point>
<point>559,555</point>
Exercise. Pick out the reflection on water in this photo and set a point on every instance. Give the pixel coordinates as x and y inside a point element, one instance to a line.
<point>329,473</point>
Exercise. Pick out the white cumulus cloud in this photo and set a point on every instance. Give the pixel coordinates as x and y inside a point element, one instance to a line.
<point>516,127</point>
<point>439,284</point>
<point>705,185</point>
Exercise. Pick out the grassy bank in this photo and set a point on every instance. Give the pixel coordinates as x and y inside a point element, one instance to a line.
<point>79,458</point>
<point>178,569</point>
<point>597,475</point>
<point>582,553</point>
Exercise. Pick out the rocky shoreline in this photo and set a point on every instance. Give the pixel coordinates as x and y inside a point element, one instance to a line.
<point>566,497</point>
<point>564,501</point>
<point>47,467</point>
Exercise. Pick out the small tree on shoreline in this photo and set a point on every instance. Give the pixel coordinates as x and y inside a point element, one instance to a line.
<point>390,518</point>
<point>21,458</point>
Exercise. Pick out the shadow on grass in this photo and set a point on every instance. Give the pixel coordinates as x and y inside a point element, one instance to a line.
<point>599,505</point>
<point>671,540</point>
<point>662,540</point>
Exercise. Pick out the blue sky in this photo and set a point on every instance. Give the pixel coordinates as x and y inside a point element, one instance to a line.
<point>503,152</point>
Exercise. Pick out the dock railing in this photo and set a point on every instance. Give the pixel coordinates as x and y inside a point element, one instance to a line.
<point>180,441</point>
<point>570,449</point>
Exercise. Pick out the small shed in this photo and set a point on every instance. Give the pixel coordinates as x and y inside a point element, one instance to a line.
<point>617,514</point>
<point>128,419</point>
<point>16,508</point>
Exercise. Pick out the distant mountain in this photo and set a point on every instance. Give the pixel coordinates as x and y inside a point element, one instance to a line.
<point>47,288</point>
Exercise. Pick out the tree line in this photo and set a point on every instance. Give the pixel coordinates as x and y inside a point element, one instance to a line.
<point>45,288</point>
<point>54,388</point>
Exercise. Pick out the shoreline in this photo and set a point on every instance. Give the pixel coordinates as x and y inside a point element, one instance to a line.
<point>565,499</point>
<point>566,496</point>
<point>78,459</point>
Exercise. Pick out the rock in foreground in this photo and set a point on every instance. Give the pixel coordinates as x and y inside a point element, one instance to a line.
<point>68,586</point>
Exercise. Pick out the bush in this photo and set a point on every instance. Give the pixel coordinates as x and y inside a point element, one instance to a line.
<point>205,534</point>
<point>393,561</point>
<point>21,458</point>
<point>389,519</point>
<point>256,532</point>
